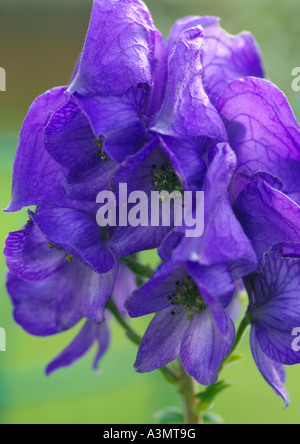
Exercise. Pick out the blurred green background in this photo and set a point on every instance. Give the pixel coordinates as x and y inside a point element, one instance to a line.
<point>39,45</point>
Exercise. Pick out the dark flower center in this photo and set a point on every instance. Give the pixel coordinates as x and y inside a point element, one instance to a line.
<point>188,296</point>
<point>100,152</point>
<point>68,256</point>
<point>165,179</point>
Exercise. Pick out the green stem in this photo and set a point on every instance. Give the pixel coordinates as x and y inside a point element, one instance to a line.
<point>241,331</point>
<point>188,391</point>
<point>137,267</point>
<point>239,336</point>
<point>131,334</point>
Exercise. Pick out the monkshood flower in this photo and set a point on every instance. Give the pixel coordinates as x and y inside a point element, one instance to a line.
<point>51,292</point>
<point>196,283</point>
<point>184,325</point>
<point>275,312</point>
<point>190,114</point>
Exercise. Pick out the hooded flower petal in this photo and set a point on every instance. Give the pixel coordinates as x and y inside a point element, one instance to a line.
<point>117,120</point>
<point>69,138</point>
<point>37,177</point>
<point>78,234</point>
<point>35,302</point>
<point>61,299</point>
<point>272,371</point>
<point>89,334</point>
<point>224,57</point>
<point>204,347</point>
<point>118,51</point>
<point>263,131</point>
<point>268,217</point>
<point>187,111</point>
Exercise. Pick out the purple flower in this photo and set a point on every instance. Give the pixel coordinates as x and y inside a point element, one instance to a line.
<point>190,114</point>
<point>73,138</point>
<point>52,291</point>
<point>91,333</point>
<point>188,322</point>
<point>275,313</point>
<point>41,268</point>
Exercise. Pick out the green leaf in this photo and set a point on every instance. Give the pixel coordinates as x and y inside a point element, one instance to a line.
<point>170,415</point>
<point>232,359</point>
<point>212,418</point>
<point>208,396</point>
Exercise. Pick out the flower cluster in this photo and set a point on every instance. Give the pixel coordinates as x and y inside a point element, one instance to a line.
<point>194,113</point>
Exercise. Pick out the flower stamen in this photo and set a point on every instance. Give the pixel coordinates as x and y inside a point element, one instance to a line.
<point>166,179</point>
<point>188,296</point>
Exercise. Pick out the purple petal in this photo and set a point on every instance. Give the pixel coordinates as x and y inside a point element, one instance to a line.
<point>118,51</point>
<point>241,180</point>
<point>37,177</point>
<point>224,240</point>
<point>29,256</point>
<point>125,284</point>
<point>162,340</point>
<point>217,288</point>
<point>273,372</point>
<point>170,243</point>
<point>268,217</point>
<point>99,288</point>
<point>225,57</point>
<point>35,302</point>
<point>185,156</point>
<point>160,76</point>
<point>234,309</point>
<point>78,234</point>
<point>204,347</point>
<point>69,137</point>
<point>289,250</point>
<point>263,131</point>
<point>85,181</point>
<point>111,118</point>
<point>187,111</point>
<point>89,334</point>
<point>277,312</point>
<point>137,172</point>
<point>153,295</point>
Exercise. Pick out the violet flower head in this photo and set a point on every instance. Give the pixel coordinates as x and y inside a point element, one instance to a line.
<point>191,114</point>
<point>184,325</point>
